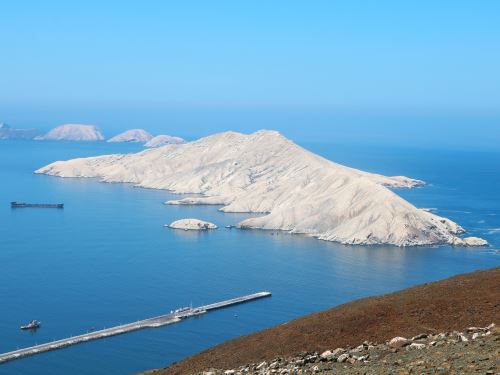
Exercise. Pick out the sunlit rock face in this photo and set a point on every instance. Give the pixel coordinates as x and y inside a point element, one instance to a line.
<point>294,189</point>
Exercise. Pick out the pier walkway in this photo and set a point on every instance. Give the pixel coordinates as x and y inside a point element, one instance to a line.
<point>159,321</point>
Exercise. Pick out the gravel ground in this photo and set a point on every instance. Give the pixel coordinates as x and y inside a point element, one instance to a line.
<point>472,351</point>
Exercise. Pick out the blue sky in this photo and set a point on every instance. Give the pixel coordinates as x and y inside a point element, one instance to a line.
<point>343,68</point>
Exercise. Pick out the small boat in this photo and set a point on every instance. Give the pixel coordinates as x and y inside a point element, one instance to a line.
<point>229,226</point>
<point>34,324</point>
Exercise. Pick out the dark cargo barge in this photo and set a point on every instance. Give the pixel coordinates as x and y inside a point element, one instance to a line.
<point>36,205</point>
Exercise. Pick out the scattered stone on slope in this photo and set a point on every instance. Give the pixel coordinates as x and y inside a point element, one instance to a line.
<point>474,350</point>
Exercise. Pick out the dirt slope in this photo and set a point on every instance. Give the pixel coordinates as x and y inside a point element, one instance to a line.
<point>466,300</point>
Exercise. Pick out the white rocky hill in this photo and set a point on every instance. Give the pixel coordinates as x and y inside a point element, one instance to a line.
<point>295,190</point>
<point>162,140</point>
<point>132,135</point>
<point>73,132</point>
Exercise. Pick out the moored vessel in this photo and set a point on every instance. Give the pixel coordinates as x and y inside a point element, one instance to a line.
<point>36,205</point>
<point>34,324</point>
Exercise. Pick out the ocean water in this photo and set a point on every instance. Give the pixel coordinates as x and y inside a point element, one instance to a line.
<point>107,259</point>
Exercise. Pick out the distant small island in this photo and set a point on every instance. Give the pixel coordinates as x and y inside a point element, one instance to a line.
<point>162,140</point>
<point>73,132</point>
<point>6,132</point>
<point>132,135</point>
<point>192,224</point>
<point>83,132</point>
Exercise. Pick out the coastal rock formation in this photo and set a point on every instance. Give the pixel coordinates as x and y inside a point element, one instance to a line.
<point>295,190</point>
<point>6,132</point>
<point>192,224</point>
<point>73,132</point>
<point>469,241</point>
<point>162,140</point>
<point>132,135</point>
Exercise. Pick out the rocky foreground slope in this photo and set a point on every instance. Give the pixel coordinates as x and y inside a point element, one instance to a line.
<point>294,189</point>
<point>430,309</point>
<point>474,350</point>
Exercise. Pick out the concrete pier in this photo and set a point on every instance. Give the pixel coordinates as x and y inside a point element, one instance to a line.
<point>159,321</point>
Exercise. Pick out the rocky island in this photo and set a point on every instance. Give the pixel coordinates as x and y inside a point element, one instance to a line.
<point>132,135</point>
<point>73,132</point>
<point>295,190</point>
<point>192,224</point>
<point>6,132</point>
<point>162,140</point>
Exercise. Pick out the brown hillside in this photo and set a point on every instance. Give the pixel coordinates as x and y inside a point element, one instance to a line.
<point>466,300</point>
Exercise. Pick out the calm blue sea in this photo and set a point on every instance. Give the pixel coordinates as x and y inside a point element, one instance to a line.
<point>107,259</point>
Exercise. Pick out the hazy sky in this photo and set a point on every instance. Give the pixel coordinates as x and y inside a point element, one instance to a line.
<point>399,68</point>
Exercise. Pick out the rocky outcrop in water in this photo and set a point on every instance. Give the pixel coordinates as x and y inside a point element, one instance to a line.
<point>192,224</point>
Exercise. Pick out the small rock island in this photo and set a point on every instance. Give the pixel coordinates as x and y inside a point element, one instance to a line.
<point>132,135</point>
<point>192,224</point>
<point>162,140</point>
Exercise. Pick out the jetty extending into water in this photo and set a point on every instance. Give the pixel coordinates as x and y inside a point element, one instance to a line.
<point>159,321</point>
<point>36,205</point>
